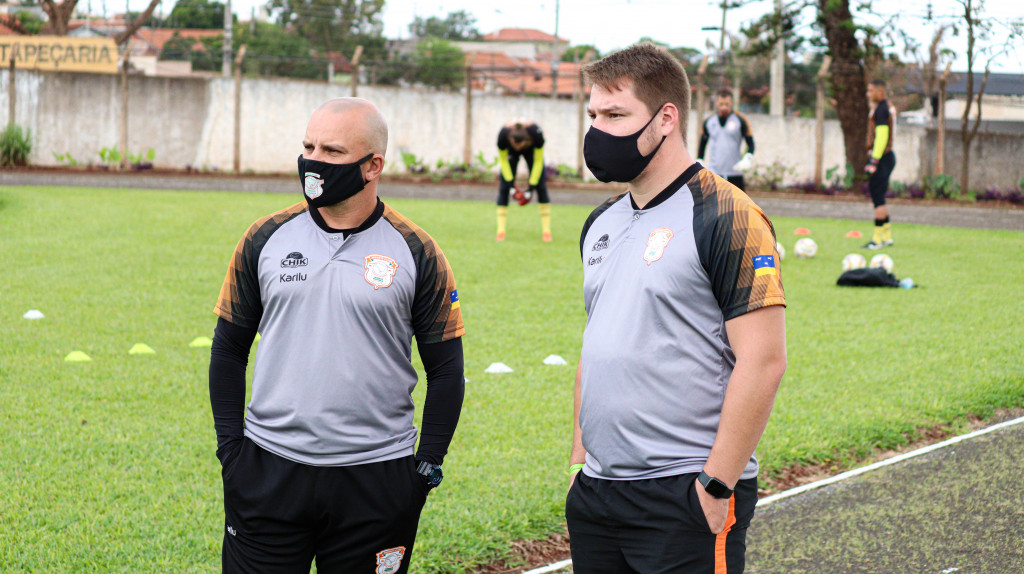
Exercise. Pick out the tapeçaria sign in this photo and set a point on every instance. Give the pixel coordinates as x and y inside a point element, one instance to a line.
<point>59,54</point>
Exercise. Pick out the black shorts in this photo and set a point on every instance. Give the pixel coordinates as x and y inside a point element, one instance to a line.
<point>878,183</point>
<point>653,526</point>
<point>504,187</point>
<point>737,180</point>
<point>280,514</point>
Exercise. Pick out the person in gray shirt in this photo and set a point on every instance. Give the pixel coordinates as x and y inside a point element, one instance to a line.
<point>721,138</point>
<point>321,464</point>
<point>684,346</point>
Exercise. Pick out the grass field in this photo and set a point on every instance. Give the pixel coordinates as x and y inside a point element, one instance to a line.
<point>109,466</point>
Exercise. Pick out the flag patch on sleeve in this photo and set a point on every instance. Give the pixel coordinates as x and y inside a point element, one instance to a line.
<point>764,265</point>
<point>455,299</point>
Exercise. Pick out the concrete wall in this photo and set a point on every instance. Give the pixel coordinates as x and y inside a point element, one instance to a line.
<point>190,122</point>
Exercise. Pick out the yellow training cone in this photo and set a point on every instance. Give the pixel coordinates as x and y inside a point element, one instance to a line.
<point>141,349</point>
<point>77,357</point>
<point>200,342</point>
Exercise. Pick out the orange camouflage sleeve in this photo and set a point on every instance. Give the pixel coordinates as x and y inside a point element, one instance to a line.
<point>240,302</point>
<point>436,308</point>
<point>737,247</point>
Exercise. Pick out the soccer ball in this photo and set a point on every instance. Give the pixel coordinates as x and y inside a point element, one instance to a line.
<point>882,260</point>
<point>805,248</point>
<point>781,250</point>
<point>854,261</point>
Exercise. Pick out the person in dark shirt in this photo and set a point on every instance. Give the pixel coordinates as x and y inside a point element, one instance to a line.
<point>521,138</point>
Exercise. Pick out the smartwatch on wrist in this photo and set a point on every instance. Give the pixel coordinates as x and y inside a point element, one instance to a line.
<point>431,473</point>
<point>715,487</point>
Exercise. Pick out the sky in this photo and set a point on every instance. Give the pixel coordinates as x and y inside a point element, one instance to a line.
<point>612,24</point>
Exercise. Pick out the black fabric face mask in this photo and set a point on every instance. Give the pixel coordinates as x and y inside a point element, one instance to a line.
<point>325,183</point>
<point>616,158</point>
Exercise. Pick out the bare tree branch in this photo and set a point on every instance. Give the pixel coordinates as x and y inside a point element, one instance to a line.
<point>136,23</point>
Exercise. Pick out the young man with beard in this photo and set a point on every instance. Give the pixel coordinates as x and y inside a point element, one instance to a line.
<point>684,345</point>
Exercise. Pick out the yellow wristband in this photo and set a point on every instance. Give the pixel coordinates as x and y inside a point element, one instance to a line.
<point>576,468</point>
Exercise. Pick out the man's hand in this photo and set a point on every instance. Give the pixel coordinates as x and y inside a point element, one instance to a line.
<point>745,163</point>
<point>871,167</point>
<point>716,510</point>
<point>525,197</point>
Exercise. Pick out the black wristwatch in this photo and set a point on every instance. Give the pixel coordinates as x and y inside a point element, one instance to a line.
<point>715,487</point>
<point>431,473</point>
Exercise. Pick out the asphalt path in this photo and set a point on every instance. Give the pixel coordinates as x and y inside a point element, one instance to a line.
<point>774,204</point>
<point>956,509</point>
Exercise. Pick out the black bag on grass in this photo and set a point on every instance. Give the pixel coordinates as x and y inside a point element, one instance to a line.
<point>867,277</point>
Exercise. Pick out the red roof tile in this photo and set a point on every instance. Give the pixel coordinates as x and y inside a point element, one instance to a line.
<point>520,35</point>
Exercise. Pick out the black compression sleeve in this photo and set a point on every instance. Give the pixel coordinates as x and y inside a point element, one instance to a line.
<point>750,144</point>
<point>703,144</point>
<point>229,357</point>
<point>446,387</point>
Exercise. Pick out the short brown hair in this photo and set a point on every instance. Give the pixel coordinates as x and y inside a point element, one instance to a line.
<point>725,93</point>
<point>657,77</point>
<point>879,82</point>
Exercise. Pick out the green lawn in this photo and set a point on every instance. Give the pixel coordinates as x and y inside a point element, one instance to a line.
<point>109,466</point>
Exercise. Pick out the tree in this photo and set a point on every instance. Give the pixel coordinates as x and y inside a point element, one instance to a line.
<point>60,14</point>
<point>197,14</point>
<point>929,67</point>
<point>847,72</point>
<point>438,64</point>
<point>272,51</point>
<point>454,27</point>
<point>979,30</point>
<point>576,53</point>
<point>331,25</point>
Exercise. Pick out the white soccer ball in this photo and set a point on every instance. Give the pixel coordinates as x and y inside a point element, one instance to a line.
<point>805,248</point>
<point>882,260</point>
<point>781,250</point>
<point>854,261</point>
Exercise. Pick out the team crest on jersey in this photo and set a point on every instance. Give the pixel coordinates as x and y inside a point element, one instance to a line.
<point>313,185</point>
<point>380,270</point>
<point>657,243</point>
<point>390,560</point>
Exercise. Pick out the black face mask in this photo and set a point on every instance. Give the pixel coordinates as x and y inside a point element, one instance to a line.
<point>325,184</point>
<point>616,158</point>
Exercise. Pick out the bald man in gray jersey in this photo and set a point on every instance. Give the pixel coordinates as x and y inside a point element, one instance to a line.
<point>323,464</point>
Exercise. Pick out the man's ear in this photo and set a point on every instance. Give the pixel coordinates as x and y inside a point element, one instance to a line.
<point>669,118</point>
<point>376,167</point>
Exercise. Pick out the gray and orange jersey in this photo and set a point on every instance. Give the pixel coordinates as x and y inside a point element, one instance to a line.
<point>333,373</point>
<point>724,141</point>
<point>659,283</point>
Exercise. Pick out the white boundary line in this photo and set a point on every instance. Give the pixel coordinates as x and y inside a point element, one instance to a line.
<point>551,567</point>
<point>843,476</point>
<point>900,458</point>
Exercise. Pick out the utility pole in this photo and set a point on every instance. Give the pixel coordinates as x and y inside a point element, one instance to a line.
<point>554,57</point>
<point>940,148</point>
<point>581,112</point>
<point>721,42</point>
<point>701,102</point>
<point>238,110</point>
<point>819,120</point>
<point>778,71</point>
<point>467,143</point>
<point>226,62</point>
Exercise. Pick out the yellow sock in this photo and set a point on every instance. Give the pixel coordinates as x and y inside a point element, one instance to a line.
<point>877,238</point>
<point>502,218</point>
<point>545,217</point>
<point>886,232</point>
